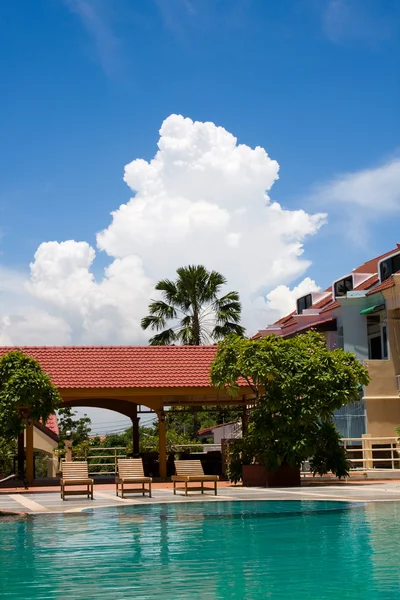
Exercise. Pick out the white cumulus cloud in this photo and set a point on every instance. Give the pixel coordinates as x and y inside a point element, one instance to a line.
<point>202,199</point>
<point>283,299</point>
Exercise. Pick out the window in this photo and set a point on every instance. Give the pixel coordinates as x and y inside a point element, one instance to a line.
<point>389,266</point>
<point>304,303</point>
<point>385,353</point>
<point>375,348</point>
<point>343,286</point>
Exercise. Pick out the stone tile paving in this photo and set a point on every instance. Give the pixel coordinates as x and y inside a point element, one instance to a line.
<point>50,501</point>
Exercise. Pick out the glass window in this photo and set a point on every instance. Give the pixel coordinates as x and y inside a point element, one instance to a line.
<point>385,353</point>
<point>389,266</point>
<point>343,286</point>
<point>304,303</point>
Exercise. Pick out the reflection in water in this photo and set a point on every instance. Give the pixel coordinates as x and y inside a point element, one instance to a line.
<point>383,521</point>
<point>220,550</point>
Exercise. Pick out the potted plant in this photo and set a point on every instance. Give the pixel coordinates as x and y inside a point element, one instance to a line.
<point>297,384</point>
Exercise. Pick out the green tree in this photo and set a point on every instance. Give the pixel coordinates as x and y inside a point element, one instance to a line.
<point>198,313</point>
<point>79,427</point>
<point>26,392</point>
<point>181,419</point>
<point>297,384</point>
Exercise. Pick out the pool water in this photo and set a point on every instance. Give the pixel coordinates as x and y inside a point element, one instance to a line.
<point>215,550</point>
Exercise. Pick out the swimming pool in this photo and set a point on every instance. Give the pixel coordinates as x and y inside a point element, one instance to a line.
<point>213,550</point>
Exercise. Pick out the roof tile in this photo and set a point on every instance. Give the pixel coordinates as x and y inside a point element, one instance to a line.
<point>124,366</point>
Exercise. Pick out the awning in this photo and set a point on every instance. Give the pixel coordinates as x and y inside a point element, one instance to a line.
<point>372,309</point>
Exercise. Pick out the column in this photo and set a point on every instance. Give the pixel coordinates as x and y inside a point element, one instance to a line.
<point>29,453</point>
<point>162,444</point>
<point>367,452</point>
<point>135,432</point>
<point>21,456</point>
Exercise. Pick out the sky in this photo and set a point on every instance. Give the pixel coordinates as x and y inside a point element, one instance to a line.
<point>256,137</point>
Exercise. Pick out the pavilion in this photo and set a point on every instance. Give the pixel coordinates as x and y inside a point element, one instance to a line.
<point>121,378</point>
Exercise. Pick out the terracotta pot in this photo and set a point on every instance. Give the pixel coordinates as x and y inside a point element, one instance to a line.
<point>258,476</point>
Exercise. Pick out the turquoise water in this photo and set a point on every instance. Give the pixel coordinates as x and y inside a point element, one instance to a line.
<point>220,550</point>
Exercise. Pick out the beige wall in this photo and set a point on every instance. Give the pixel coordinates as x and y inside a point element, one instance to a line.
<point>383,379</point>
<point>383,417</point>
<point>382,399</point>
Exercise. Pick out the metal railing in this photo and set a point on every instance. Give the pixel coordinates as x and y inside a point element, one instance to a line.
<point>109,465</point>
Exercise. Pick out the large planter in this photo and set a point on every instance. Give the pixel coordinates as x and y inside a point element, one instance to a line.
<point>254,476</point>
<point>285,476</point>
<point>259,476</point>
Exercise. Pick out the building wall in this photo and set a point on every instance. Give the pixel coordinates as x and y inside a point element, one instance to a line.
<point>224,433</point>
<point>355,337</point>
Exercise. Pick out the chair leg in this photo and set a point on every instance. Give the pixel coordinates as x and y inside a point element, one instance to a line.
<point>174,488</point>
<point>186,488</point>
<point>215,487</point>
<point>202,488</point>
<point>150,489</point>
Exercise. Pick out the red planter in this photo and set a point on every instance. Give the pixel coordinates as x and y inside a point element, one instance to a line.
<point>258,476</point>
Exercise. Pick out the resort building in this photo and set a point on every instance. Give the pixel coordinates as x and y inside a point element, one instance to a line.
<point>359,312</point>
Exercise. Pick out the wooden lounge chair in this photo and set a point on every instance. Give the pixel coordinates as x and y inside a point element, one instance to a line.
<point>75,473</point>
<point>130,471</point>
<point>188,471</point>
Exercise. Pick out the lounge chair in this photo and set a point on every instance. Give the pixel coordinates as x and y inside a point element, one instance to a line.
<point>75,473</point>
<point>188,471</point>
<point>130,471</point>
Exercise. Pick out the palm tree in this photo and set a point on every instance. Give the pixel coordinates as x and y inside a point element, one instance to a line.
<point>193,302</point>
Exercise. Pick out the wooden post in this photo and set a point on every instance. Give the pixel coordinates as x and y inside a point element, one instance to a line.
<point>29,453</point>
<point>135,432</point>
<point>162,445</point>
<point>21,456</point>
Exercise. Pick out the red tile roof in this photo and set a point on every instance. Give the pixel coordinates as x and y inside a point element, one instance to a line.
<point>52,424</point>
<point>331,307</point>
<point>371,266</point>
<point>313,325</point>
<point>385,285</point>
<point>124,366</point>
<point>365,285</point>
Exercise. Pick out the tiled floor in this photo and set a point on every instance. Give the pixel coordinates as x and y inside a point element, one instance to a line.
<point>49,501</point>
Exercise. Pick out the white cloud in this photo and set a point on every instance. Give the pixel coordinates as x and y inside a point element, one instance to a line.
<point>201,200</point>
<point>376,189</point>
<point>283,299</point>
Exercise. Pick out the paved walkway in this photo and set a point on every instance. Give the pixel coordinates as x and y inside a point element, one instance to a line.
<point>47,500</point>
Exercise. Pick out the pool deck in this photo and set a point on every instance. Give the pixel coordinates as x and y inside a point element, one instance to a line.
<point>47,500</point>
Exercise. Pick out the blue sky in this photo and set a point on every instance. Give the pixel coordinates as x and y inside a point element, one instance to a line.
<point>87,84</point>
<point>86,87</point>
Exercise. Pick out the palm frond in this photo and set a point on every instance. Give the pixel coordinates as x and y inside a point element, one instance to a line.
<point>165,338</point>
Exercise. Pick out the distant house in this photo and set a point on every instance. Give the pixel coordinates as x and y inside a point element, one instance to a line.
<point>225,431</point>
<point>359,312</point>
